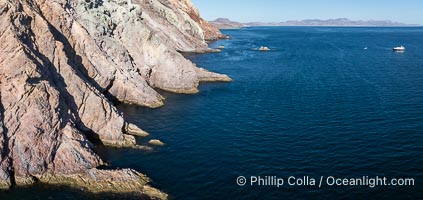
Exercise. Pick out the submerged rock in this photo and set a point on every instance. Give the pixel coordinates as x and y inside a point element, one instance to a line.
<point>142,147</point>
<point>63,64</point>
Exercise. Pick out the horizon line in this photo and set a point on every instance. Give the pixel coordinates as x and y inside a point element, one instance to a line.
<point>364,20</point>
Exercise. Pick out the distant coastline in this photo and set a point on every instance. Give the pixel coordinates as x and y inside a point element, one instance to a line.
<point>224,23</point>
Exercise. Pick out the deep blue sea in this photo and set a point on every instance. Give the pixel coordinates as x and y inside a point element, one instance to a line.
<point>318,104</point>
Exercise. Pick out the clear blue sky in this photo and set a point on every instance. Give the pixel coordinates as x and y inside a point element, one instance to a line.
<point>407,11</point>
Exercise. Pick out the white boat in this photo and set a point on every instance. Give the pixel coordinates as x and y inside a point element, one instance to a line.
<point>401,48</point>
<point>262,48</point>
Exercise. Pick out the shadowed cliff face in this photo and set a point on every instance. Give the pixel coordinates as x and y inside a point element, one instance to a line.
<point>63,63</point>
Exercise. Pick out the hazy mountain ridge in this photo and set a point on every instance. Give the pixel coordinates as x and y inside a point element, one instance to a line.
<point>223,23</point>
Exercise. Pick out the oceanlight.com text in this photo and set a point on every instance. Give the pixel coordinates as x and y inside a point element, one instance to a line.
<point>323,181</point>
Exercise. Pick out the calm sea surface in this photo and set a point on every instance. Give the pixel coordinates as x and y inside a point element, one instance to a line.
<point>318,104</point>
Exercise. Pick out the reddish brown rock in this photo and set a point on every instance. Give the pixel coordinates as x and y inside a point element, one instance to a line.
<point>210,31</point>
<point>63,64</point>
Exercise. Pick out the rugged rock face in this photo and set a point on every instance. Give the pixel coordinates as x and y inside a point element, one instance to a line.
<point>186,6</point>
<point>62,65</point>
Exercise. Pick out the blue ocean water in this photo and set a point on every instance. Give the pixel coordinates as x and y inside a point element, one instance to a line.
<point>318,104</point>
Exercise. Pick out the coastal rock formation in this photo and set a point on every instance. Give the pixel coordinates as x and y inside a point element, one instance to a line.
<point>63,63</point>
<point>156,143</point>
<point>210,32</point>
<point>125,180</point>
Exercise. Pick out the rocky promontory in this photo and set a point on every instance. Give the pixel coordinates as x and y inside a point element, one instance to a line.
<point>63,66</point>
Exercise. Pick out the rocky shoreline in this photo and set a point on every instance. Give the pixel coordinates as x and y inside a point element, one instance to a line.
<point>63,66</point>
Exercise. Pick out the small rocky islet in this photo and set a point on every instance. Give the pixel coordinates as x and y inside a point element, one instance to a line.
<point>64,63</point>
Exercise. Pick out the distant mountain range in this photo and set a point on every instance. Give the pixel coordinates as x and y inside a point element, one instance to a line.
<point>224,23</point>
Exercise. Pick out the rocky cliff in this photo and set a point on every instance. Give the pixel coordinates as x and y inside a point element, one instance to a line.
<point>63,65</point>
<point>210,32</point>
